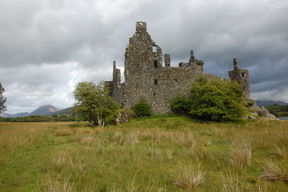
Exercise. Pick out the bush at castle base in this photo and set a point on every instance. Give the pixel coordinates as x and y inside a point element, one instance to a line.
<point>212,100</point>
<point>142,108</point>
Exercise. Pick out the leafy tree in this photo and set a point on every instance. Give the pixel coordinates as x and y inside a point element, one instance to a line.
<point>93,103</point>
<point>2,99</point>
<point>142,108</point>
<point>212,99</point>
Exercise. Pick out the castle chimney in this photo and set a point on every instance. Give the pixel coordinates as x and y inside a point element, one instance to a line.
<point>140,26</point>
<point>235,64</point>
<point>167,60</point>
<point>191,53</point>
<point>192,57</point>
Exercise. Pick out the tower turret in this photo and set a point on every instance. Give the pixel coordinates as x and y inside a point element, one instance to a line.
<point>241,76</point>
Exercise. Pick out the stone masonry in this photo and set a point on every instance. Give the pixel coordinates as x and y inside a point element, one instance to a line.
<point>146,76</point>
<point>241,76</point>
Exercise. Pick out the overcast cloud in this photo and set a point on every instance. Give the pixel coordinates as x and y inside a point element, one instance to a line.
<point>47,46</point>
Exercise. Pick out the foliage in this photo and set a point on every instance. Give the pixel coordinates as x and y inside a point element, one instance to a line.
<point>37,118</point>
<point>142,108</point>
<point>213,100</point>
<point>181,104</point>
<point>278,110</point>
<point>2,99</point>
<point>93,103</point>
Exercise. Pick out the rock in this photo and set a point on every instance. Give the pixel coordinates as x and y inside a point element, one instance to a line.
<point>262,112</point>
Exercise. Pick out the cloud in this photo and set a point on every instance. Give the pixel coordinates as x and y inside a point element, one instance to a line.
<point>47,46</point>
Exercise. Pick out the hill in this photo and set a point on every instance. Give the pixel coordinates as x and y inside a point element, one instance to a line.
<point>278,110</point>
<point>44,110</point>
<point>40,111</point>
<point>67,111</point>
<point>269,102</point>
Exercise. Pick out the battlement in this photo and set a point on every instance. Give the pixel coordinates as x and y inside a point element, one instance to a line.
<point>141,26</point>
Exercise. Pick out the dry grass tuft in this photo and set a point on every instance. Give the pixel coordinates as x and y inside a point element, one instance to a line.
<point>240,155</point>
<point>84,131</point>
<point>67,160</point>
<point>118,137</point>
<point>273,172</point>
<point>278,152</point>
<point>230,182</point>
<point>57,184</point>
<point>185,139</point>
<point>189,178</point>
<point>63,131</point>
<point>131,138</point>
<point>89,140</point>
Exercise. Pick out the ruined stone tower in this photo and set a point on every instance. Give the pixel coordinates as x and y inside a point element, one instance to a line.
<point>241,76</point>
<point>147,77</point>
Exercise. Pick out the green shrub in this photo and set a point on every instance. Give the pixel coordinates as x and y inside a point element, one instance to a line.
<point>142,108</point>
<point>212,100</point>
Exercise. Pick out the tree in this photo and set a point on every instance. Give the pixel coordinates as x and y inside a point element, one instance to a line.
<point>93,103</point>
<point>2,99</point>
<point>142,108</point>
<point>212,99</point>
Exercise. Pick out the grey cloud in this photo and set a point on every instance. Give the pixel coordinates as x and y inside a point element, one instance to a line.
<point>47,46</point>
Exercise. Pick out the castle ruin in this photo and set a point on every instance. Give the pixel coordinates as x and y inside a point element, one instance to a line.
<point>146,76</point>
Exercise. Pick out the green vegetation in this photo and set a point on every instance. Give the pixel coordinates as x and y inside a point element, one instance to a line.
<point>163,153</point>
<point>142,108</point>
<point>2,99</point>
<point>93,103</point>
<point>212,100</point>
<point>54,118</point>
<point>278,110</point>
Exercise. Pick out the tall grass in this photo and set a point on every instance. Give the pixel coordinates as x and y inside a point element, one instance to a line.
<point>241,154</point>
<point>273,172</point>
<point>149,154</point>
<point>189,178</point>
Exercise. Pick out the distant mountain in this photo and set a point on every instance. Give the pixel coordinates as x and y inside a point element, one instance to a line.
<point>269,102</point>
<point>19,114</point>
<point>67,111</point>
<point>14,115</point>
<point>44,110</point>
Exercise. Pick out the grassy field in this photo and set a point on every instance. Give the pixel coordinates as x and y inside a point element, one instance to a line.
<point>153,154</point>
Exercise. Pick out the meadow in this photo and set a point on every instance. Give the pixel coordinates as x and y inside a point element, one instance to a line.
<point>163,153</point>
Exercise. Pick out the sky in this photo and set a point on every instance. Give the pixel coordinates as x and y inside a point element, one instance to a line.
<point>48,46</point>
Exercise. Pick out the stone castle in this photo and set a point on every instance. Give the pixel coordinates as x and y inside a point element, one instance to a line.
<point>146,76</point>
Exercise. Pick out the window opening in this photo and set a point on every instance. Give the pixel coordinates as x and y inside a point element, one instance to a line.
<point>243,74</point>
<point>155,81</point>
<point>154,49</point>
<point>155,63</point>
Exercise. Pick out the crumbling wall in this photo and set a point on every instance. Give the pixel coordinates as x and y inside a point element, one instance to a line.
<point>241,76</point>
<point>146,77</point>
